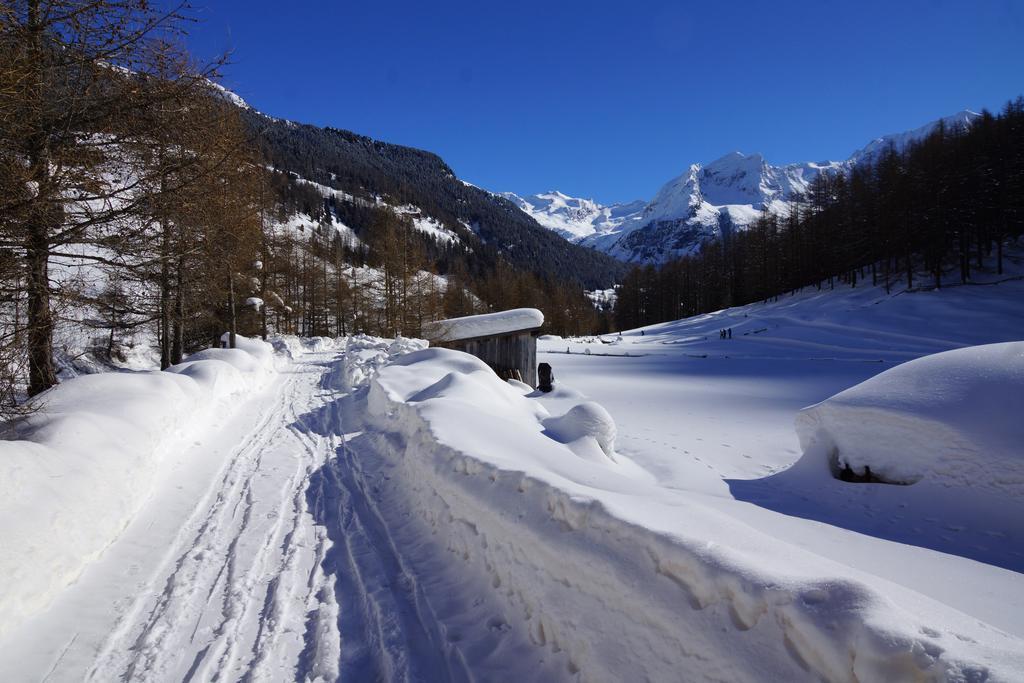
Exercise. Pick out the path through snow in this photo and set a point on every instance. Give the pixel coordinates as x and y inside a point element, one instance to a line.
<point>276,550</point>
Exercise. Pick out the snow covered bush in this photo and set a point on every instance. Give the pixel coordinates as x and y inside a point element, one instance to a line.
<point>954,419</point>
<point>74,473</point>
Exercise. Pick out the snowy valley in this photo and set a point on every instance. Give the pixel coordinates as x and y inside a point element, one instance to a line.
<point>369,508</point>
<point>280,401</point>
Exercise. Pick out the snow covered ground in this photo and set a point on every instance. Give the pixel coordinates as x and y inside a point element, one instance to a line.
<point>713,421</point>
<point>374,510</point>
<point>268,547</point>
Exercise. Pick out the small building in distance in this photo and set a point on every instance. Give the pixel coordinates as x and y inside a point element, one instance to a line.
<point>505,340</point>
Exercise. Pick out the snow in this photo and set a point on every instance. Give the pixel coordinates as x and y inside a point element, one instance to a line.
<point>484,325</point>
<point>421,222</point>
<point>228,95</point>
<point>585,424</point>
<point>603,299</point>
<point>949,420</point>
<point>80,467</point>
<point>292,346</point>
<point>714,420</point>
<point>577,544</point>
<point>279,547</point>
<point>575,218</point>
<point>383,510</point>
<point>428,224</point>
<point>707,201</point>
<point>302,223</point>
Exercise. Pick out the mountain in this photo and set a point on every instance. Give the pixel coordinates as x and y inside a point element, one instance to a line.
<point>366,176</point>
<point>574,218</point>
<point>899,141</point>
<point>708,201</point>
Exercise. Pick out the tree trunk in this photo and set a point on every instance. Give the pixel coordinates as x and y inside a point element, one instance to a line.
<point>232,329</point>
<point>178,328</point>
<point>41,373</point>
<point>165,299</point>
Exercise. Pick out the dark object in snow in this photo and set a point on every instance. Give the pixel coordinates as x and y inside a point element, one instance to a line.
<point>847,474</point>
<point>545,377</point>
<point>730,333</point>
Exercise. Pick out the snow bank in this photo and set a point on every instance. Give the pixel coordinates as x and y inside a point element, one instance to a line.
<point>484,325</point>
<point>363,355</point>
<point>75,472</point>
<point>292,346</point>
<point>952,419</point>
<point>630,580</point>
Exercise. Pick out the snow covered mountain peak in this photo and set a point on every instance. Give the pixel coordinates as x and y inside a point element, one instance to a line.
<point>735,159</point>
<point>738,178</point>
<point>706,201</point>
<point>574,218</point>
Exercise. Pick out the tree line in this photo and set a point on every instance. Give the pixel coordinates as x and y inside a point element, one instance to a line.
<point>938,209</point>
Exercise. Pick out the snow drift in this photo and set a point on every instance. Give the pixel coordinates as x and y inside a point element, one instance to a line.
<point>74,473</point>
<point>292,346</point>
<point>952,419</point>
<point>578,544</point>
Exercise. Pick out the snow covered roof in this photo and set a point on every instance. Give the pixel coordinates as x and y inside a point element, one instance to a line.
<point>485,325</point>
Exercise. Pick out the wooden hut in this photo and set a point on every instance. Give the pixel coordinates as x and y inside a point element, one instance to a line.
<point>506,340</point>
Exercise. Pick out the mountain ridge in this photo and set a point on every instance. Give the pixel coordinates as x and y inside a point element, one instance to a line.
<point>489,226</point>
<point>707,201</point>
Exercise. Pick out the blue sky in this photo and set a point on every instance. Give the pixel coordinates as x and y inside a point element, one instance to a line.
<point>611,99</point>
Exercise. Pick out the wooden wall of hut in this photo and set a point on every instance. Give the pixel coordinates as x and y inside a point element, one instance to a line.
<point>511,356</point>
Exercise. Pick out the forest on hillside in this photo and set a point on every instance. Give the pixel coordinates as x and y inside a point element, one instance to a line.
<point>943,206</point>
<point>492,226</point>
<point>141,206</point>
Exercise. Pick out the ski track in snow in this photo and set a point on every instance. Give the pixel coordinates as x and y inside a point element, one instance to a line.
<point>291,569</point>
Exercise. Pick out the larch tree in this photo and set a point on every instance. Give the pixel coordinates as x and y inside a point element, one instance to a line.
<point>81,80</point>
